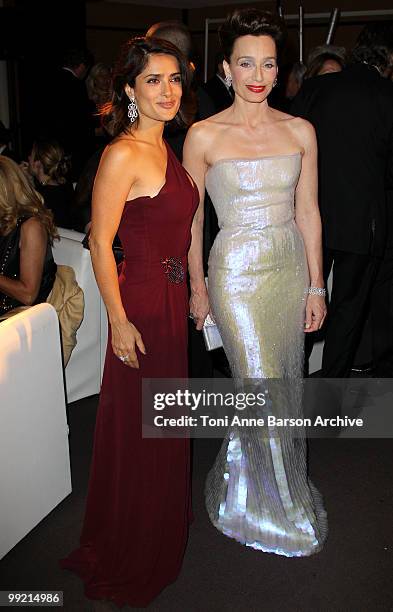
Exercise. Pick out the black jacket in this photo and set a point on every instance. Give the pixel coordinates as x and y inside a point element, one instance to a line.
<point>352,112</point>
<point>219,93</point>
<point>66,115</point>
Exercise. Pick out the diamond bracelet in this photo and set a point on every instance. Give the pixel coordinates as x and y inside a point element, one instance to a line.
<point>317,291</point>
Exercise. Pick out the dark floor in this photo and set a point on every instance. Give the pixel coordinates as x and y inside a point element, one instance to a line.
<point>354,572</point>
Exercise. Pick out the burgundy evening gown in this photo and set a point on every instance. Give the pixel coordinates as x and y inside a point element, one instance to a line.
<point>138,505</point>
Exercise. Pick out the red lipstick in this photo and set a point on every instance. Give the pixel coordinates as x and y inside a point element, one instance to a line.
<point>256,88</point>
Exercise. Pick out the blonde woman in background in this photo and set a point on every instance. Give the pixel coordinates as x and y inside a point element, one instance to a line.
<point>27,268</point>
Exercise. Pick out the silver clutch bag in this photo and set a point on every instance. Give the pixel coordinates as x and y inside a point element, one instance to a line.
<point>211,335</point>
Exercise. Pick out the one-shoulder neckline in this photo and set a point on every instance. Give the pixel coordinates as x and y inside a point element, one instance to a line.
<point>162,186</point>
<point>251,159</point>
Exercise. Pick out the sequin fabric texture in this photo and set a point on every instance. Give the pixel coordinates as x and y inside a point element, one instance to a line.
<point>258,491</point>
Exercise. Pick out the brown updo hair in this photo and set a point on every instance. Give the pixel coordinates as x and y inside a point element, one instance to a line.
<point>133,59</point>
<point>55,163</point>
<point>250,21</point>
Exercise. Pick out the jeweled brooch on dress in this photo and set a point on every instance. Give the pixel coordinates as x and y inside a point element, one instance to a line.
<point>173,268</point>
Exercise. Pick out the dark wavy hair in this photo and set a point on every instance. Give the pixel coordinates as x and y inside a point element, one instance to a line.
<point>133,59</point>
<point>374,45</point>
<point>250,21</point>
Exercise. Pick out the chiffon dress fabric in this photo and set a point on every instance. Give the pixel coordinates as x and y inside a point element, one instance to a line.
<point>138,505</point>
<point>258,491</point>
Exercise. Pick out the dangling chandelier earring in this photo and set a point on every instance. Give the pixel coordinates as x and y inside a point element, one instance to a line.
<point>228,80</point>
<point>132,110</point>
<point>275,82</point>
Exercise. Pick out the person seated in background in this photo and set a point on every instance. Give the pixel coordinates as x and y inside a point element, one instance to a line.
<point>324,60</point>
<point>48,166</point>
<point>27,268</point>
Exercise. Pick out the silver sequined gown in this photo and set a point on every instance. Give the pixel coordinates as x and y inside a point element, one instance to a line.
<point>258,491</point>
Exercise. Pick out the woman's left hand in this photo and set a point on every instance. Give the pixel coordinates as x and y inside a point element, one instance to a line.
<point>315,313</point>
<point>199,307</point>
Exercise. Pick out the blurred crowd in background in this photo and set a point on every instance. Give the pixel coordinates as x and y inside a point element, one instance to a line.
<point>69,137</point>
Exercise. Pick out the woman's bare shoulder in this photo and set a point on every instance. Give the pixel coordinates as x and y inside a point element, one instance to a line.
<point>291,120</point>
<point>119,150</point>
<point>302,130</point>
<point>278,115</point>
<point>204,132</point>
<point>119,158</point>
<point>295,123</point>
<point>32,228</point>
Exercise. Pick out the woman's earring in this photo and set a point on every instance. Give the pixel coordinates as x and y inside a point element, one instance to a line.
<point>275,82</point>
<point>132,110</point>
<point>228,80</point>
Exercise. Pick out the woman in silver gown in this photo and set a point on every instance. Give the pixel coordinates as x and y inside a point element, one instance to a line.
<point>259,167</point>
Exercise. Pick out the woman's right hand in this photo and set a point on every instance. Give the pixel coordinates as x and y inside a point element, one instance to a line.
<point>125,339</point>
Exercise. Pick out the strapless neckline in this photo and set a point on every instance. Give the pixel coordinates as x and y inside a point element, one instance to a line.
<point>251,159</point>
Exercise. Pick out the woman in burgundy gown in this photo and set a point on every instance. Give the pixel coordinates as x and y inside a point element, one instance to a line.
<point>138,506</point>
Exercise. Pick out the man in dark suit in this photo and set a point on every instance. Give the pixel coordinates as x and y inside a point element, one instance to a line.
<point>66,112</point>
<point>352,112</point>
<point>217,88</point>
